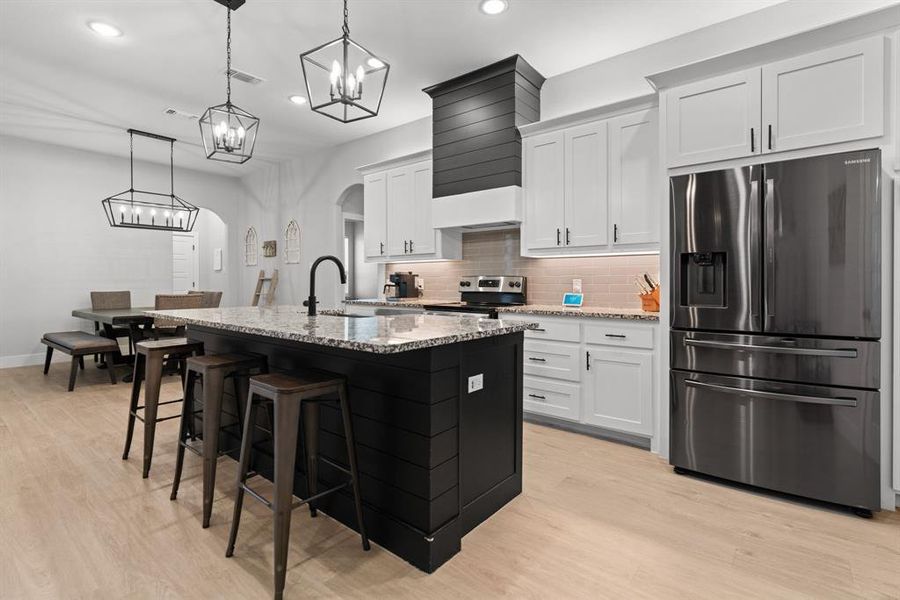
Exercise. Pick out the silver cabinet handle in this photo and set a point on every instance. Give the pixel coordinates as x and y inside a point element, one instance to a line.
<point>770,248</point>
<point>536,359</point>
<point>536,396</point>
<point>836,353</point>
<point>850,402</point>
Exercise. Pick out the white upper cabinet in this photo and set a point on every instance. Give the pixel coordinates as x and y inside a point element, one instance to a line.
<point>714,119</point>
<point>397,219</point>
<point>375,214</point>
<point>421,235</point>
<point>633,177</point>
<point>589,183</point>
<point>826,97</point>
<point>399,210</point>
<point>835,95</point>
<point>586,202</point>
<point>544,190</point>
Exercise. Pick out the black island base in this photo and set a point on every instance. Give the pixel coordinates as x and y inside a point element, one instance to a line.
<point>435,459</point>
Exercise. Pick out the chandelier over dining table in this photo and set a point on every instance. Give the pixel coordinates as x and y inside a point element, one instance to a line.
<point>344,80</point>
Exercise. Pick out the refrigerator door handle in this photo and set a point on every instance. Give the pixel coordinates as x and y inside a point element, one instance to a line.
<point>849,402</point>
<point>770,249</point>
<point>835,353</point>
<point>753,244</point>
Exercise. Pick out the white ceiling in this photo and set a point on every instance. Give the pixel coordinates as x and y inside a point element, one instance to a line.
<point>62,83</point>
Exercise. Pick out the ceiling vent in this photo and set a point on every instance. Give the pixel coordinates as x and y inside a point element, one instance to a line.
<point>175,112</point>
<point>245,77</point>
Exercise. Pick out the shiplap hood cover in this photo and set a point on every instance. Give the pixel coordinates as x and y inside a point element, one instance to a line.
<point>477,149</point>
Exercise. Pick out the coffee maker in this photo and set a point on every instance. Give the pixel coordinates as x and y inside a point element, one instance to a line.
<point>402,285</point>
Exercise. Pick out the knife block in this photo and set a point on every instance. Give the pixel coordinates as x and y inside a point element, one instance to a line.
<point>650,302</point>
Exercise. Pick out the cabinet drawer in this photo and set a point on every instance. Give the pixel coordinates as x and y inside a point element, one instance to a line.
<point>550,359</point>
<point>557,330</point>
<point>619,334</point>
<point>552,398</point>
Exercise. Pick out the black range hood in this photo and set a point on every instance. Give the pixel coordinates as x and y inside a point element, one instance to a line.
<point>476,142</point>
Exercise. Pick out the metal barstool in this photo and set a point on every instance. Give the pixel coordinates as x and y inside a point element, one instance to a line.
<point>148,364</point>
<point>212,371</point>
<point>289,394</point>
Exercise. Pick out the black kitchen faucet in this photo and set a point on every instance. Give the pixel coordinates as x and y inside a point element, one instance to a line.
<point>311,301</point>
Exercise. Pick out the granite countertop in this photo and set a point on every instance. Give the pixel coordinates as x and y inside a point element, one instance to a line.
<point>551,310</point>
<point>400,302</point>
<point>591,312</point>
<point>378,334</point>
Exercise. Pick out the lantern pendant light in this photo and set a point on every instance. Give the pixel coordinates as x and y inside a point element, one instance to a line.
<point>344,81</point>
<point>142,209</point>
<point>228,131</point>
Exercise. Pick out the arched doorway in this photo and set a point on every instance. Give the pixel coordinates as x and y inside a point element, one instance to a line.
<point>362,278</point>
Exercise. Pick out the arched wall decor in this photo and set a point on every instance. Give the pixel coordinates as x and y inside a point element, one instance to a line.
<point>292,243</point>
<point>251,251</point>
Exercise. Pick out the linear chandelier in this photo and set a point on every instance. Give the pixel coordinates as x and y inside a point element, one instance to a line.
<point>142,209</point>
<point>336,73</point>
<point>228,131</point>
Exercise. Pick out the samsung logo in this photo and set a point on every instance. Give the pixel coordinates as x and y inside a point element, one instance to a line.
<point>857,161</point>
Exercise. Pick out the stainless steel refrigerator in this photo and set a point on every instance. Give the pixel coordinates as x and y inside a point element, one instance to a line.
<point>776,321</point>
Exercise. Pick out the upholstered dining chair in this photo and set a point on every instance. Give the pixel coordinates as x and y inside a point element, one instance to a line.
<point>211,299</point>
<point>109,301</point>
<point>167,327</point>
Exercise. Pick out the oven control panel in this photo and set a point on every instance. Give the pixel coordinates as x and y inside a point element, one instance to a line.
<point>492,283</point>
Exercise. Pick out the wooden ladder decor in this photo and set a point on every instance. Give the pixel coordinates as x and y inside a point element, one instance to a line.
<point>269,293</point>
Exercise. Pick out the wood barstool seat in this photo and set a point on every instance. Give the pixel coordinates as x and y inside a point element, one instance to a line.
<point>148,364</point>
<point>211,370</point>
<point>289,395</point>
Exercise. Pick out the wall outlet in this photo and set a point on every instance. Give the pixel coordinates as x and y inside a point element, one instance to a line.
<point>576,286</point>
<point>420,283</point>
<point>476,382</point>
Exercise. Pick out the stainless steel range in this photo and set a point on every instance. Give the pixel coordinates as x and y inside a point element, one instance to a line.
<point>483,294</point>
<point>776,320</point>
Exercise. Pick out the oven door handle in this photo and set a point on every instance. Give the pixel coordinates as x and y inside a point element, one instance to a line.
<point>836,353</point>
<point>849,402</point>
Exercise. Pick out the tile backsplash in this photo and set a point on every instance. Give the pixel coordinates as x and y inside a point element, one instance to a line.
<point>606,280</point>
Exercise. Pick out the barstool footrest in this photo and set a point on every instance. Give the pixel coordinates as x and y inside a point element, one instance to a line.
<point>296,504</point>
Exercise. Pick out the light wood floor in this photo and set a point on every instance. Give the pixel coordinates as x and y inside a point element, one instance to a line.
<point>596,520</point>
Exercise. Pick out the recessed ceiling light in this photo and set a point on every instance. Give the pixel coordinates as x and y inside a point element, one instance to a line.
<point>493,7</point>
<point>104,29</point>
<point>374,63</point>
<point>297,99</point>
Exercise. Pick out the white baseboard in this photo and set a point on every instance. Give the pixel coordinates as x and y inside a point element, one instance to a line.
<point>27,360</point>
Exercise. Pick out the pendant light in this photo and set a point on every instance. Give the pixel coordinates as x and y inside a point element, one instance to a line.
<point>228,131</point>
<point>140,209</point>
<point>344,81</point>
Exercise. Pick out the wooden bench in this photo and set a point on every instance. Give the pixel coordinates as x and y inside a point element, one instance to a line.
<point>77,344</point>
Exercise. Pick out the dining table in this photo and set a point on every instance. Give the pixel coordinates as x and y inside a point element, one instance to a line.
<point>134,318</point>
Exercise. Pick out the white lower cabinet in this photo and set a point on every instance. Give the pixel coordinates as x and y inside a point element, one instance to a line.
<point>558,399</point>
<point>618,389</point>
<point>597,372</point>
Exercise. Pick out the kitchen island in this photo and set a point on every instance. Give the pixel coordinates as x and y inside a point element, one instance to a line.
<point>435,459</point>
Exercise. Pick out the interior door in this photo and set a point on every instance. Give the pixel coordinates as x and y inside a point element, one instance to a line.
<point>400,207</point>
<point>823,246</point>
<point>184,276</point>
<point>422,232</point>
<point>544,190</point>
<point>633,177</point>
<point>375,214</point>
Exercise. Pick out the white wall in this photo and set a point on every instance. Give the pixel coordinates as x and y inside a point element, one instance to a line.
<point>56,246</point>
<point>212,232</point>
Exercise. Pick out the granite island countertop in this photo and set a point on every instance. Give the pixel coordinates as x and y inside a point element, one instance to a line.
<point>377,334</point>
<point>547,310</point>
